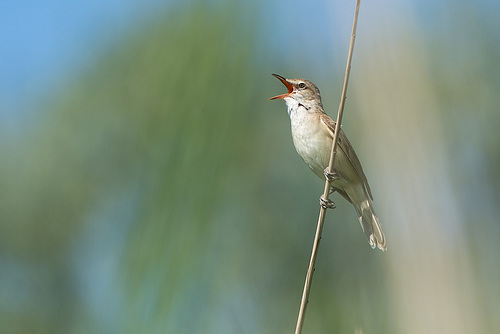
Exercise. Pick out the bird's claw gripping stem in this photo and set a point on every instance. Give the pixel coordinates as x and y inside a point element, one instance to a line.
<point>331,176</point>
<point>326,203</point>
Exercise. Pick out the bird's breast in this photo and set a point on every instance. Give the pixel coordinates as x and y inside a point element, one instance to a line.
<point>312,140</point>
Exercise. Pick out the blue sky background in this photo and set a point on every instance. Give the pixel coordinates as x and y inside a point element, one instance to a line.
<point>49,42</point>
<point>45,43</point>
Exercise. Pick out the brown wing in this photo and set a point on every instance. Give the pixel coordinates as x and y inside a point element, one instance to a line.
<point>346,146</point>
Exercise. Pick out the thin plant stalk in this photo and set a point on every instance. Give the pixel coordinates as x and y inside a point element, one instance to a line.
<point>326,192</point>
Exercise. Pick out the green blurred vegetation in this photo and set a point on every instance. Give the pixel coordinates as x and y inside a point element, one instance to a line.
<point>160,192</point>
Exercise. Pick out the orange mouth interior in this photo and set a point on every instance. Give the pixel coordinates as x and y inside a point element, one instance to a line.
<point>289,87</point>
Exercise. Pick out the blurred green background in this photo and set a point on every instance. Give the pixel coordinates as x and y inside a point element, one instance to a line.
<point>149,186</point>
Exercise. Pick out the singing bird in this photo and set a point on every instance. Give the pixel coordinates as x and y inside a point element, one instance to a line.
<point>312,133</point>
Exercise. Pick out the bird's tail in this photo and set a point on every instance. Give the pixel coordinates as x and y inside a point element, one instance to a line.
<point>369,223</point>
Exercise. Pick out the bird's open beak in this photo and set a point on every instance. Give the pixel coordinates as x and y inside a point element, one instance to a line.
<point>288,86</point>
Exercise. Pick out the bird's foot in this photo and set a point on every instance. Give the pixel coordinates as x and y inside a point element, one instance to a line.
<point>334,176</point>
<point>326,203</point>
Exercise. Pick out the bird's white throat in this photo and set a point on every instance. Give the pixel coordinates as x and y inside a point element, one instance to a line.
<point>291,105</point>
<point>294,107</point>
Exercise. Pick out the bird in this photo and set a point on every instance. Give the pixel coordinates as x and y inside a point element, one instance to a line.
<point>312,133</point>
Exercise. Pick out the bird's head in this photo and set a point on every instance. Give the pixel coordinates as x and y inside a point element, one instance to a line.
<point>300,91</point>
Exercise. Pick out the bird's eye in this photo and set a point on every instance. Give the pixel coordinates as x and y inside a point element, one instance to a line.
<point>302,85</point>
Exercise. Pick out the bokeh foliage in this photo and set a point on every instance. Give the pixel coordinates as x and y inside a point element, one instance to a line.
<point>159,192</point>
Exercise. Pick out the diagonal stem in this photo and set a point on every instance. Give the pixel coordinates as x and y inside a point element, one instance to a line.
<point>326,192</point>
